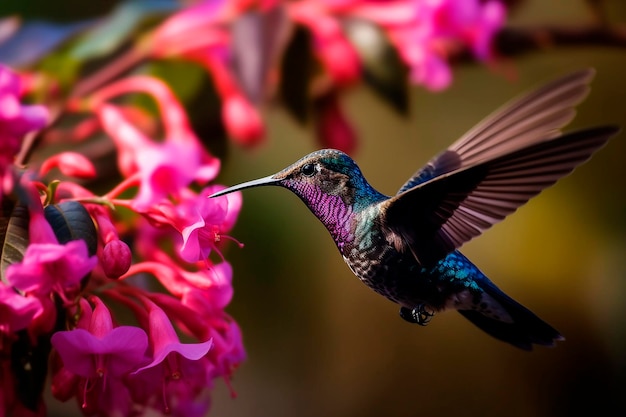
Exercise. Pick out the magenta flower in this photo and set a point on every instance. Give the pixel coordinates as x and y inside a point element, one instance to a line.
<point>16,120</point>
<point>50,267</point>
<point>158,173</point>
<point>202,222</point>
<point>199,33</point>
<point>71,164</point>
<point>174,365</point>
<point>195,29</point>
<point>333,127</point>
<point>16,310</point>
<point>102,355</point>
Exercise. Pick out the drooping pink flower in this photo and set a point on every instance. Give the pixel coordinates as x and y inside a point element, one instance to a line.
<point>330,43</point>
<point>192,30</point>
<point>332,127</point>
<point>71,164</point>
<point>16,310</point>
<point>178,371</point>
<point>242,120</point>
<point>16,120</point>
<point>102,355</point>
<point>48,266</point>
<point>425,32</point>
<point>159,174</point>
<point>202,222</point>
<point>199,33</point>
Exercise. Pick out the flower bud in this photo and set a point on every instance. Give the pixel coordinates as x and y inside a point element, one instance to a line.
<point>115,259</point>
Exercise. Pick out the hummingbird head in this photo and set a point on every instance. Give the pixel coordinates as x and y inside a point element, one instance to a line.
<point>318,178</point>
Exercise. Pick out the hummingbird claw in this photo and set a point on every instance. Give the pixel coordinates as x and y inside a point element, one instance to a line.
<point>421,314</point>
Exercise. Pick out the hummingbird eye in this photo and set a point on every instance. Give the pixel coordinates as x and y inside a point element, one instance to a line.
<point>308,170</point>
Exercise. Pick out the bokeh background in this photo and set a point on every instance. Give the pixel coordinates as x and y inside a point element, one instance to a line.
<point>320,343</point>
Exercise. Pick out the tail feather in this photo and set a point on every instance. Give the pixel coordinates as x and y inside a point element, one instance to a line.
<point>525,329</point>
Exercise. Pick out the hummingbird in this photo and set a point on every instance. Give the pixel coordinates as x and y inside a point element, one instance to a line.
<point>406,246</point>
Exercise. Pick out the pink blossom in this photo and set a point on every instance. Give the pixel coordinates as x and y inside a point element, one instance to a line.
<point>16,310</point>
<point>16,119</point>
<point>159,174</point>
<point>101,355</point>
<point>425,32</point>
<point>151,162</point>
<point>71,164</point>
<point>331,46</point>
<point>199,34</point>
<point>332,127</point>
<point>202,222</point>
<point>174,365</point>
<point>242,120</point>
<point>191,30</point>
<point>49,266</point>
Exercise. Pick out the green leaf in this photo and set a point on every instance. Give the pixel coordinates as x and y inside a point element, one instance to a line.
<point>71,221</point>
<point>13,234</point>
<point>116,28</point>
<point>383,69</point>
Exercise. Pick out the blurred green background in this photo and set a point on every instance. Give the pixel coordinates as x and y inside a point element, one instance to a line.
<point>320,343</point>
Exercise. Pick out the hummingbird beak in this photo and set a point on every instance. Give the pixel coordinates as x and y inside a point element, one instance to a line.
<point>254,183</point>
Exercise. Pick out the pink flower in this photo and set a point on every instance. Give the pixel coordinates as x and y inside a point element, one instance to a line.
<point>16,310</point>
<point>332,127</point>
<point>202,222</point>
<point>199,33</point>
<point>242,120</point>
<point>71,164</point>
<point>192,30</point>
<point>159,174</point>
<point>331,46</point>
<point>425,32</point>
<point>16,119</point>
<point>102,355</point>
<point>174,365</point>
<point>49,266</point>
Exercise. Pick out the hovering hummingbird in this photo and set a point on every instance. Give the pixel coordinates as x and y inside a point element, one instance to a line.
<point>404,247</point>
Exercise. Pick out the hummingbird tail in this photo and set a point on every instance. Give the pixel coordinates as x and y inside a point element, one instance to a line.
<point>522,329</point>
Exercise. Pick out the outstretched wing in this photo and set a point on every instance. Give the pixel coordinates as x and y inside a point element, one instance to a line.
<point>530,119</point>
<point>440,214</point>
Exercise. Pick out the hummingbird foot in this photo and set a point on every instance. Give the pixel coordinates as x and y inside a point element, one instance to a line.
<point>421,314</point>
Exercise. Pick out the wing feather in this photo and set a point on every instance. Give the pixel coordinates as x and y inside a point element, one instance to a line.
<point>530,119</point>
<point>437,216</point>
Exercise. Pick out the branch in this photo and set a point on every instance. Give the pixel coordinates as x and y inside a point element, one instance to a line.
<point>517,41</point>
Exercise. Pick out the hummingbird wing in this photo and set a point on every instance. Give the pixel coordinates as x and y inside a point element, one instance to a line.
<point>439,215</point>
<point>532,118</point>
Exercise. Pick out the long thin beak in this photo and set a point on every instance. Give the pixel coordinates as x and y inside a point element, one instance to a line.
<point>270,180</point>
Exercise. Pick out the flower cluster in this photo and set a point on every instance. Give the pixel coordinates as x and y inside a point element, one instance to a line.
<point>105,268</point>
<point>72,262</point>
